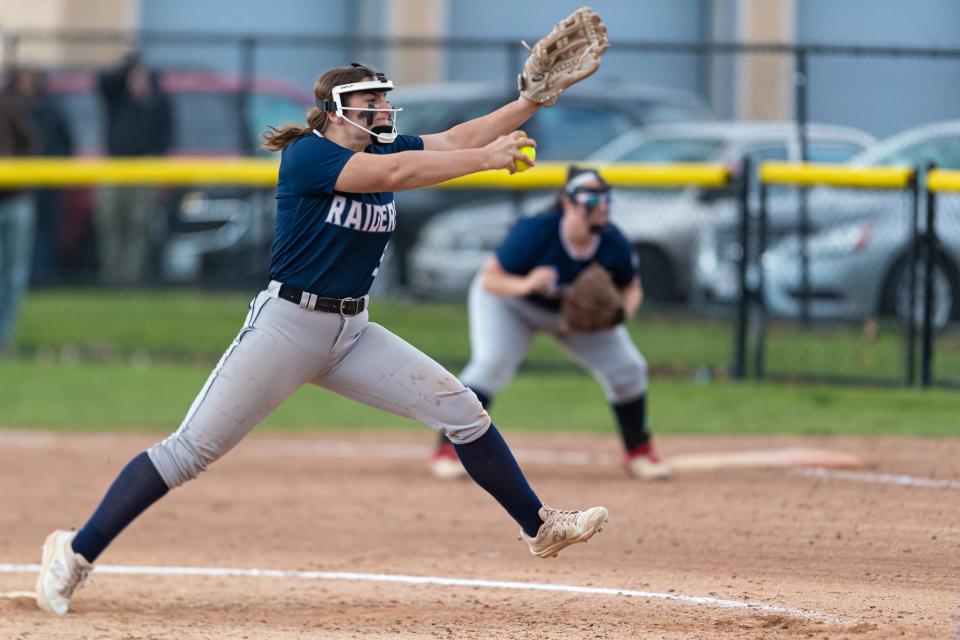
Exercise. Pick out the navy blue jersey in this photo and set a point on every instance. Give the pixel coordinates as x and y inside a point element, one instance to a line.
<point>536,242</point>
<point>329,242</point>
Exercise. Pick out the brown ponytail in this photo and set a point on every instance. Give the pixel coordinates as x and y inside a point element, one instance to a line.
<point>275,139</point>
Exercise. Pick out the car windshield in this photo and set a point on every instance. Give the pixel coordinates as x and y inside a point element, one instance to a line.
<point>903,150</point>
<point>666,113</point>
<point>423,117</point>
<point>208,122</point>
<point>673,150</point>
<point>270,109</point>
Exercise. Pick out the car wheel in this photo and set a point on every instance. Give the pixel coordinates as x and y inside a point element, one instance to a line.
<point>656,275</point>
<point>946,292</point>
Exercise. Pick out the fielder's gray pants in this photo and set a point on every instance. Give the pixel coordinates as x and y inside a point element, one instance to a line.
<point>500,333</point>
<point>282,347</point>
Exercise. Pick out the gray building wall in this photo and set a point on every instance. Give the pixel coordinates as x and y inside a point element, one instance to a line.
<point>297,64</point>
<point>882,95</point>
<point>676,20</point>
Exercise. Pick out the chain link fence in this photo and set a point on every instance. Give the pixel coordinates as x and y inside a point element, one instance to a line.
<point>770,102</point>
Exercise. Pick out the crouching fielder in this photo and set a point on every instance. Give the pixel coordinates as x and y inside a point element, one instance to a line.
<point>519,293</point>
<point>310,325</point>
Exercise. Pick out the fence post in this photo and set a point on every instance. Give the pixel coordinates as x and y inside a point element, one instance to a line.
<point>759,351</point>
<point>740,331</point>
<point>912,266</point>
<point>930,257</point>
<point>800,79</point>
<point>514,63</point>
<point>248,70</point>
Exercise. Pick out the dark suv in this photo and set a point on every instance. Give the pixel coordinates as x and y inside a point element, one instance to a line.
<point>215,235</point>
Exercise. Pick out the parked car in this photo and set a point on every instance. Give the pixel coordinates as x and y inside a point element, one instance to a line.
<point>215,234</point>
<point>861,269</point>
<point>661,223</point>
<point>583,120</point>
<point>839,214</point>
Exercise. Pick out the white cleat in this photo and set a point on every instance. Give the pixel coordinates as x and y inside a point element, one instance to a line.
<point>62,572</point>
<point>560,529</point>
<point>649,468</point>
<point>445,463</point>
<point>644,463</point>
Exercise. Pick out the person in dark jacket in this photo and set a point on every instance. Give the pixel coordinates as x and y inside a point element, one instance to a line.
<point>139,123</point>
<point>53,139</point>
<point>17,138</point>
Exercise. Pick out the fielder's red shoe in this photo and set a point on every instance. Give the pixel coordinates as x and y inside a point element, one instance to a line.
<point>445,463</point>
<point>643,462</point>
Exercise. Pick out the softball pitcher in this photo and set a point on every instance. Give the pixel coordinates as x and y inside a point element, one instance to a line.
<point>518,293</point>
<point>335,214</point>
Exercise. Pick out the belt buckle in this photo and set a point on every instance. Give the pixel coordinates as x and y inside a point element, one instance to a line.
<point>343,301</point>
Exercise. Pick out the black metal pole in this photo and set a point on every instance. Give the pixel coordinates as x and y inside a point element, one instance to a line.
<point>741,326</point>
<point>930,257</point>
<point>248,71</point>
<point>759,351</point>
<point>800,79</point>
<point>514,62</point>
<point>910,320</point>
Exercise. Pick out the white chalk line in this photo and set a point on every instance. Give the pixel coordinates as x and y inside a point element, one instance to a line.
<point>722,603</point>
<point>399,451</point>
<point>881,478</point>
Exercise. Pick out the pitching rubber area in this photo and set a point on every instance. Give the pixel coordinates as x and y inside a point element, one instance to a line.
<point>348,536</point>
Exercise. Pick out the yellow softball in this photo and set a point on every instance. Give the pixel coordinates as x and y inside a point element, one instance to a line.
<point>530,152</point>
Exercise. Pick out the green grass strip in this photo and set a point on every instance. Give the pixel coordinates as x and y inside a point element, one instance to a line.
<point>121,397</point>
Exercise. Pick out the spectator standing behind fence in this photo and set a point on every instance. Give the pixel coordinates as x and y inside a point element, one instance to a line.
<point>53,139</point>
<point>139,123</point>
<point>17,138</point>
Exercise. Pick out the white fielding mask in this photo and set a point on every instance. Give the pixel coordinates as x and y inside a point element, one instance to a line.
<point>381,137</point>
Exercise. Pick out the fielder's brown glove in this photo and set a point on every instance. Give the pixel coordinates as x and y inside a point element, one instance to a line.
<point>565,56</point>
<point>593,302</point>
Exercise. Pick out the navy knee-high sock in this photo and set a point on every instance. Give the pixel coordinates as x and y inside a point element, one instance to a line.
<point>632,420</point>
<point>137,487</point>
<point>490,463</point>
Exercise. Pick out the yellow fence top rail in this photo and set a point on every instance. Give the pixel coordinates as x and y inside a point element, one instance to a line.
<point>809,174</point>
<point>549,175</point>
<point>62,172</point>
<point>943,180</point>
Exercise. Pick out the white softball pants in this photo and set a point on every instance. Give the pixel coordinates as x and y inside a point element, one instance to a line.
<point>501,330</point>
<point>282,347</point>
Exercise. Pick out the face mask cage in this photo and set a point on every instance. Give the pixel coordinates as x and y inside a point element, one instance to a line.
<point>380,134</point>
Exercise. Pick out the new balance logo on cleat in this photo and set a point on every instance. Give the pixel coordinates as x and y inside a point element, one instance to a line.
<point>62,572</point>
<point>560,529</point>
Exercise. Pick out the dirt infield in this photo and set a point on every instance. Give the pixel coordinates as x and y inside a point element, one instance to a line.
<point>746,553</point>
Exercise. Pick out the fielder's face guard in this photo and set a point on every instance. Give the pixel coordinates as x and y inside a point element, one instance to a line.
<point>380,134</point>
<point>589,189</point>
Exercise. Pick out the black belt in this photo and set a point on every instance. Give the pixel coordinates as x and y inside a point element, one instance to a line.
<point>343,306</point>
